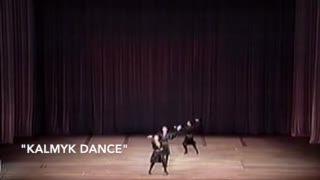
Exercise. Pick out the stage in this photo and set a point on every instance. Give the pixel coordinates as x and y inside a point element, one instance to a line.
<point>221,157</point>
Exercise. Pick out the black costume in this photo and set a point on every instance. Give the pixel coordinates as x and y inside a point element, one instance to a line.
<point>164,139</point>
<point>157,156</point>
<point>188,140</point>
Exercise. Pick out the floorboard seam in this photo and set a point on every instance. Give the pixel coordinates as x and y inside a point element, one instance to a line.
<point>204,142</point>
<point>126,139</point>
<point>243,142</point>
<point>243,167</point>
<point>88,139</point>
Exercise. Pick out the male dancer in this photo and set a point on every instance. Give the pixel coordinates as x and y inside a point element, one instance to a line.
<point>157,154</point>
<point>188,139</point>
<point>164,137</point>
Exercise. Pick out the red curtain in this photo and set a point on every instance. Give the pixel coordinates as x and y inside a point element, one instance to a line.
<point>134,66</point>
<point>306,89</point>
<point>16,68</point>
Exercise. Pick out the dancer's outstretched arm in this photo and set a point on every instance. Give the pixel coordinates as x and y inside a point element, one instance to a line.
<point>196,123</point>
<point>174,134</point>
<point>179,128</point>
<point>150,136</point>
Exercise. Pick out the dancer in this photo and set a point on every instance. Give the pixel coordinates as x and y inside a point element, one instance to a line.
<point>157,154</point>
<point>164,137</point>
<point>189,130</point>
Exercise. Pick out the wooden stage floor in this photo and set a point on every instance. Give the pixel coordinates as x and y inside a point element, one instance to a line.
<point>220,157</point>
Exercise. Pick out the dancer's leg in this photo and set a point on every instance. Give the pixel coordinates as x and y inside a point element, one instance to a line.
<point>164,166</point>
<point>167,159</point>
<point>185,147</point>
<point>195,147</point>
<point>151,166</point>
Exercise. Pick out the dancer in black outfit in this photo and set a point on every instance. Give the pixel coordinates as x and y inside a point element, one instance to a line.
<point>157,154</point>
<point>189,130</point>
<point>165,136</point>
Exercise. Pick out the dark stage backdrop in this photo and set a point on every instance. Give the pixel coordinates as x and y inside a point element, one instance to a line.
<point>132,66</point>
<point>306,72</point>
<point>16,69</point>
